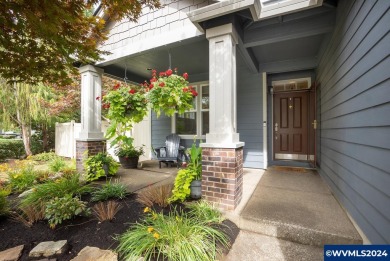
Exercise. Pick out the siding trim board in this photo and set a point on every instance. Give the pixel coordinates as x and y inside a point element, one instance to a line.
<point>354,109</point>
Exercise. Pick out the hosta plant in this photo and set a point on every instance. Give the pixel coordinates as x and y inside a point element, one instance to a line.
<point>94,166</point>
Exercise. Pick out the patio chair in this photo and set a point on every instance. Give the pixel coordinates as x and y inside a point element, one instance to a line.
<point>171,153</point>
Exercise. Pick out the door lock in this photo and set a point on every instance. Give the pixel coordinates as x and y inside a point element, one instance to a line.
<point>314,124</point>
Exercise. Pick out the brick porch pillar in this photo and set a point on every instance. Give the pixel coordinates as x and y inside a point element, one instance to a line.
<point>222,176</point>
<point>91,137</point>
<point>222,152</point>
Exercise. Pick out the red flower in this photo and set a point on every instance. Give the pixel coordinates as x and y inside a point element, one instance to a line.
<point>98,98</point>
<point>106,106</point>
<point>132,91</point>
<point>194,93</point>
<point>168,72</point>
<point>116,86</point>
<point>151,86</point>
<point>162,84</point>
<point>153,80</point>
<point>185,76</point>
<point>162,74</point>
<point>185,89</point>
<point>154,71</point>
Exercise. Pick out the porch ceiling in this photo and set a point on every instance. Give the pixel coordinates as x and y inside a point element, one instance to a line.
<point>189,57</point>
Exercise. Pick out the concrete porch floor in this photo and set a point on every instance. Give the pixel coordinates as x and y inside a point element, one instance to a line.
<point>288,215</point>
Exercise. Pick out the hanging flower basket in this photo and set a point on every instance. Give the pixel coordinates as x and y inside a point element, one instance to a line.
<point>170,92</point>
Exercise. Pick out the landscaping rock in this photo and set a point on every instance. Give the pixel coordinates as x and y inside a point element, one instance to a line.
<point>25,193</point>
<point>11,254</point>
<point>96,254</point>
<point>49,248</point>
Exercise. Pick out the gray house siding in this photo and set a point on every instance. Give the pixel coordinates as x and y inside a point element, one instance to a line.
<point>354,142</point>
<point>250,115</point>
<point>161,128</point>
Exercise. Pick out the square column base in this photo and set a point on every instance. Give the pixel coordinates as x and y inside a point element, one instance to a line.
<point>92,147</point>
<point>222,176</point>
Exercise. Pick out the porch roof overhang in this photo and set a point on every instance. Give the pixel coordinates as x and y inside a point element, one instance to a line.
<point>259,9</point>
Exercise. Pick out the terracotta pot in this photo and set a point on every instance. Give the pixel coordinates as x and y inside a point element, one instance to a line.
<point>129,162</point>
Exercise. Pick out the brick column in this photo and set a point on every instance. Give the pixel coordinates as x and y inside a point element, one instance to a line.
<point>92,148</point>
<point>222,176</point>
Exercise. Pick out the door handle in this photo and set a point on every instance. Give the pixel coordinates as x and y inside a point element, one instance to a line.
<point>314,124</point>
<point>276,127</point>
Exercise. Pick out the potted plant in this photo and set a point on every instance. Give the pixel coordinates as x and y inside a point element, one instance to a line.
<point>100,165</point>
<point>188,179</point>
<point>129,155</point>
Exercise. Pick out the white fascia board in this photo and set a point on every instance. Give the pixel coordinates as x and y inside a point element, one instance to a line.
<point>218,9</point>
<point>258,10</point>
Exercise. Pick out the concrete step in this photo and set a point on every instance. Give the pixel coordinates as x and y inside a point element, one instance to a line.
<point>298,207</point>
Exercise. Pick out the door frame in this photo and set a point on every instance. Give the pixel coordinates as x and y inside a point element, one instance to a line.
<point>268,134</point>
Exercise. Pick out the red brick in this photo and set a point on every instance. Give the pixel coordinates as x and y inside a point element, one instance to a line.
<point>213,189</point>
<point>220,185</point>
<point>214,179</point>
<point>219,195</point>
<point>214,169</point>
<point>214,158</point>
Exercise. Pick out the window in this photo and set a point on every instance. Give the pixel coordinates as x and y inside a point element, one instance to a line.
<point>195,122</point>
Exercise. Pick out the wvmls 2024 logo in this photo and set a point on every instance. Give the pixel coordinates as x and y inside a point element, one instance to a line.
<point>356,252</point>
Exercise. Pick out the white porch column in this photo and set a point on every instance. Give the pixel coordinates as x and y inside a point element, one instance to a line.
<point>91,140</point>
<point>223,106</point>
<point>91,87</point>
<point>222,153</point>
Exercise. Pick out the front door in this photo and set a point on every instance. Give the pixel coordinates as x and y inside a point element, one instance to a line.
<point>290,125</point>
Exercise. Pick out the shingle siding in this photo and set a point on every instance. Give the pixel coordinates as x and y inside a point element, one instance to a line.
<point>354,113</point>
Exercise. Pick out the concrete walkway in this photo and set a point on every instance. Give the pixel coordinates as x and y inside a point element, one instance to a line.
<point>288,215</point>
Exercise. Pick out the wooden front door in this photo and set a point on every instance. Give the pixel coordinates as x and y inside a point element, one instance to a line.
<point>290,125</point>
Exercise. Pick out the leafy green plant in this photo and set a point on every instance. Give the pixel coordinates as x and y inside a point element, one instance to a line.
<point>4,205</point>
<point>94,166</point>
<point>44,156</point>
<point>57,164</point>
<point>129,151</point>
<point>176,236</point>
<point>109,190</point>
<point>181,189</point>
<point>106,210</point>
<point>60,209</point>
<point>195,164</point>
<point>205,211</point>
<point>22,179</point>
<point>155,195</point>
<point>59,188</point>
<point>11,148</point>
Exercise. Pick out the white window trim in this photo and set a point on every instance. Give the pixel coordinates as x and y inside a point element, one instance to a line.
<point>198,86</point>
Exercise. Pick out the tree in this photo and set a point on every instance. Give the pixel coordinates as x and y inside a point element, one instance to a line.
<point>40,41</point>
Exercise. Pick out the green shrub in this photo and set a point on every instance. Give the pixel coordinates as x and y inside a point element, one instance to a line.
<point>4,205</point>
<point>205,212</point>
<point>59,188</point>
<point>94,166</point>
<point>44,156</point>
<point>22,179</point>
<point>181,189</point>
<point>66,207</point>
<point>177,236</point>
<point>57,164</point>
<point>11,148</point>
<point>109,190</point>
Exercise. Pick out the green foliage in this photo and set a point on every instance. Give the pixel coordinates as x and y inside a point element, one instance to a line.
<point>195,163</point>
<point>94,166</point>
<point>56,33</point>
<point>59,188</point>
<point>181,189</point>
<point>205,211</point>
<point>21,179</point>
<point>170,93</point>
<point>109,190</point>
<point>11,148</point>
<point>176,236</point>
<point>60,209</point>
<point>4,205</point>
<point>129,151</point>
<point>44,156</point>
<point>57,164</point>
<point>184,177</point>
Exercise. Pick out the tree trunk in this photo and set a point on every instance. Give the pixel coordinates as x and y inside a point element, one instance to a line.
<point>45,137</point>
<point>26,135</point>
